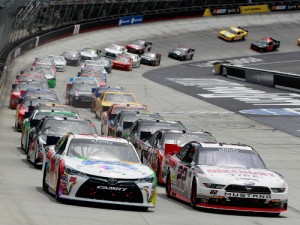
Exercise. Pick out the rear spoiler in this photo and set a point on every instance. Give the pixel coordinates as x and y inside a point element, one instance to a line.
<point>171,149</point>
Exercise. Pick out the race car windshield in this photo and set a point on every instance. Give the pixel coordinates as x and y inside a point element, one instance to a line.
<point>57,58</point>
<point>149,55</point>
<point>35,102</point>
<point>264,42</point>
<point>70,54</point>
<point>85,87</point>
<point>181,139</point>
<point>102,150</point>
<point>119,98</point>
<point>41,115</point>
<point>138,42</point>
<point>229,157</point>
<point>180,50</point>
<point>154,127</point>
<point>231,31</point>
<point>115,47</point>
<point>90,51</point>
<point>41,94</point>
<point>130,108</point>
<point>61,127</point>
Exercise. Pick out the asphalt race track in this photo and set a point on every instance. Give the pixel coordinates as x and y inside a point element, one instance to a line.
<point>270,106</point>
<point>22,198</point>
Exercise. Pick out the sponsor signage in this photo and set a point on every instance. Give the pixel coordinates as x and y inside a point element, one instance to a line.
<point>284,7</point>
<point>223,11</point>
<point>254,9</point>
<point>111,188</point>
<point>247,195</point>
<point>129,20</point>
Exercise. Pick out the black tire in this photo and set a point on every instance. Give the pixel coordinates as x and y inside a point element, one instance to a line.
<point>168,186</point>
<point>192,56</point>
<point>194,200</point>
<point>45,186</point>
<point>57,188</point>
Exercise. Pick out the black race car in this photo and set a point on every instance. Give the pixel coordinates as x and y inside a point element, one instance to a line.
<point>151,58</point>
<point>139,47</point>
<point>73,58</point>
<point>265,44</point>
<point>181,53</point>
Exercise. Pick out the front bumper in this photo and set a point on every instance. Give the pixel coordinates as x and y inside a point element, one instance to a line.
<point>96,189</point>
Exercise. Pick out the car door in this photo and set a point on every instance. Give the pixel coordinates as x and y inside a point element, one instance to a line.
<point>183,170</point>
<point>54,162</point>
<point>148,149</point>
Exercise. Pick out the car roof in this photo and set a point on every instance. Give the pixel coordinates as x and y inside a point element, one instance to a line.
<point>230,146</point>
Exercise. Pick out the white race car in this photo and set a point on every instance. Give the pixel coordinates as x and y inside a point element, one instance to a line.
<point>112,51</point>
<point>227,177</point>
<point>89,54</point>
<point>60,63</point>
<point>136,59</point>
<point>98,169</point>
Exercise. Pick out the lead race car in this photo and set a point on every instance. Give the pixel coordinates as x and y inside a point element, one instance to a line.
<point>227,177</point>
<point>98,169</point>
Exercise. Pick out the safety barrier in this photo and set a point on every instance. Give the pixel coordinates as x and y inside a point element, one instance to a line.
<point>281,80</point>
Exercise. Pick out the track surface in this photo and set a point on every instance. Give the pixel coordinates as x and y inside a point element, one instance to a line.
<point>22,198</point>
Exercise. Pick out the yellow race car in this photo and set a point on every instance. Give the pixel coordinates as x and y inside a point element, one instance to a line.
<point>112,97</point>
<point>233,34</point>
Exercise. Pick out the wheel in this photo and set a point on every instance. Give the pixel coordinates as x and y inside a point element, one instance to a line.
<point>57,191</point>
<point>194,194</point>
<point>168,186</point>
<point>45,186</point>
<point>231,39</point>
<point>192,56</point>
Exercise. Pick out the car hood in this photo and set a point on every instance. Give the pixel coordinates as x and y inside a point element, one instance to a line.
<point>103,168</point>
<point>241,176</point>
<point>226,33</point>
<point>112,51</point>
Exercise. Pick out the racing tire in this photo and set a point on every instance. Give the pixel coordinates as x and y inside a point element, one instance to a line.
<point>57,188</point>
<point>143,209</point>
<point>27,158</point>
<point>168,186</point>
<point>231,39</point>
<point>194,200</point>
<point>45,186</point>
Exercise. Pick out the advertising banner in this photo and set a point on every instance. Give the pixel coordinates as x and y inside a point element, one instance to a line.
<point>128,20</point>
<point>284,7</point>
<point>224,11</point>
<point>254,9</point>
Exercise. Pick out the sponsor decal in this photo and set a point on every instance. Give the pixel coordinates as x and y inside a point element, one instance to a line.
<point>283,7</point>
<point>254,9</point>
<point>224,11</point>
<point>247,195</point>
<point>111,188</point>
<point>89,162</point>
<point>76,29</point>
<point>242,172</point>
<point>128,20</point>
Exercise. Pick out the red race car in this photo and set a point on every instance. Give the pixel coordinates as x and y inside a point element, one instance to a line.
<point>139,47</point>
<point>123,63</point>
<point>21,87</point>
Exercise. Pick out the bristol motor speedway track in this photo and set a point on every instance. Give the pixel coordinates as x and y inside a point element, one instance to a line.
<point>22,198</point>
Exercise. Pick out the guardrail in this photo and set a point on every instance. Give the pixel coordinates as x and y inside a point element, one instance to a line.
<point>281,80</point>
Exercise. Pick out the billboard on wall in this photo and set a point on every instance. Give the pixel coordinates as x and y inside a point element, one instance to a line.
<point>284,7</point>
<point>224,11</point>
<point>254,9</point>
<point>129,20</point>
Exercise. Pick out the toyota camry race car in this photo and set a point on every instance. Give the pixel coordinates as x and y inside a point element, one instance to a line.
<point>265,45</point>
<point>60,63</point>
<point>113,50</point>
<point>233,34</point>
<point>227,177</point>
<point>139,46</point>
<point>98,169</point>
<point>89,54</point>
